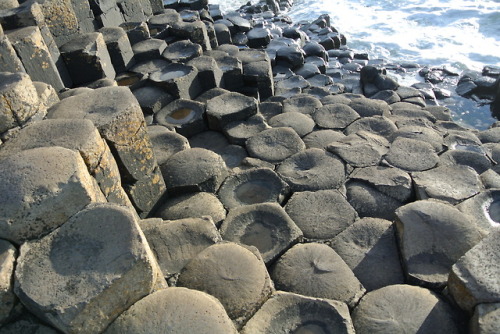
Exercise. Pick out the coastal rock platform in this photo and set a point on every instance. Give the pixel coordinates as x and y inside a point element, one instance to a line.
<point>183,170</point>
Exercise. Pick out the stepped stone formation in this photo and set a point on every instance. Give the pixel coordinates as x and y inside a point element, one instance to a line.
<point>167,167</point>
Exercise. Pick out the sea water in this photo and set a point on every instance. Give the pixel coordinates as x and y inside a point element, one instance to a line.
<point>463,34</point>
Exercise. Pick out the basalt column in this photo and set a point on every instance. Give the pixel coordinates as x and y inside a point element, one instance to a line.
<point>119,119</point>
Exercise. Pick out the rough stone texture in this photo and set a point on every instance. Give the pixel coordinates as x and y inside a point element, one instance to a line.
<point>321,138</point>
<point>178,80</point>
<point>229,107</point>
<point>78,135</point>
<point>18,100</point>
<point>87,58</point>
<point>321,214</point>
<point>404,309</point>
<point>299,122</point>
<point>84,274</point>
<point>313,169</point>
<point>475,159</point>
<point>152,99</point>
<point>452,184</point>
<point>316,270</point>
<point>233,274</point>
<point>35,199</point>
<point>35,56</point>
<point>47,95</point>
<point>182,51</point>
<point>8,299</point>
<point>422,133</point>
<point>238,132</point>
<point>411,155</point>
<point>274,145</point>
<point>186,116</point>
<point>61,19</point>
<point>432,237</point>
<point>192,205</point>
<point>209,73</point>
<point>369,248</point>
<point>251,187</point>
<point>119,48</point>
<point>474,279</point>
<point>118,117</point>
<point>194,169</point>
<point>9,62</point>
<point>370,202</point>
<point>266,226</point>
<point>26,323</point>
<point>180,310</point>
<point>166,143</point>
<point>335,116</point>
<point>303,103</point>
<point>486,319</point>
<point>291,313</point>
<point>484,209</point>
<point>176,242</point>
<point>362,149</point>
<point>380,125</point>
<point>370,107</point>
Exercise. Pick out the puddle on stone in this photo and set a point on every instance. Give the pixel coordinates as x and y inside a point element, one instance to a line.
<point>468,147</point>
<point>127,80</point>
<point>181,116</point>
<point>252,193</point>
<point>310,328</point>
<point>172,75</point>
<point>493,212</point>
<point>260,235</point>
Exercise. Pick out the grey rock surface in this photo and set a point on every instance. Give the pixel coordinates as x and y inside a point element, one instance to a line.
<point>411,155</point>
<point>8,300</point>
<point>486,319</point>
<point>274,145</point>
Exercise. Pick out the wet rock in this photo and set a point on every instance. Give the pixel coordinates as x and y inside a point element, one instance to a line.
<point>404,307</point>
<point>223,34</point>
<point>251,225</point>
<point>179,310</point>
<point>194,169</point>
<point>30,212</point>
<point>432,237</point>
<point>322,138</point>
<point>239,131</point>
<point>119,48</point>
<point>388,96</point>
<point>186,116</point>
<point>316,270</point>
<point>321,214</point>
<point>229,107</point>
<point>166,143</point>
<point>335,116</point>
<point>87,58</point>
<point>81,276</point>
<point>251,187</point>
<point>290,56</point>
<point>152,99</point>
<point>452,184</point>
<point>474,277</point>
<point>295,81</point>
<point>307,70</point>
<point>176,242</point>
<point>486,319</point>
<point>303,103</point>
<point>411,155</point>
<point>35,56</point>
<point>367,246</point>
<point>8,255</point>
<point>380,125</point>
<point>192,205</point>
<point>299,122</point>
<point>258,37</point>
<point>274,145</point>
<point>179,80</point>
<point>235,275</point>
<point>313,169</point>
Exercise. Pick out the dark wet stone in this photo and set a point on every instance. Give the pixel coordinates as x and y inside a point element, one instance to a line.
<point>258,37</point>
<point>388,96</point>
<point>148,49</point>
<point>313,169</point>
<point>251,225</point>
<point>209,73</point>
<point>432,237</point>
<point>370,249</point>
<point>316,270</point>
<point>307,70</point>
<point>295,81</point>
<point>321,214</point>
<point>274,145</point>
<point>414,309</point>
<point>290,56</point>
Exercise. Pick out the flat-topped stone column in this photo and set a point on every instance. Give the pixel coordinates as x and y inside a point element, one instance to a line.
<point>119,118</point>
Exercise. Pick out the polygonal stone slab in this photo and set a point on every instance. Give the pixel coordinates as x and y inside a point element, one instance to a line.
<point>474,279</point>
<point>335,116</point>
<point>369,248</point>
<point>182,51</point>
<point>321,138</point>
<point>251,187</point>
<point>486,319</point>
<point>229,107</point>
<point>181,81</point>
<point>432,237</point>
<point>265,226</point>
<point>313,169</point>
<point>411,155</point>
<point>315,270</point>
<point>234,274</point>
<point>422,133</point>
<point>370,202</point>
<point>484,209</point>
<point>8,254</point>
<point>358,151</point>
<point>299,122</point>
<point>152,99</point>
<point>166,143</point>
<point>472,156</point>
<point>452,184</point>
<point>380,125</point>
<point>404,308</point>
<point>274,145</point>
<point>321,214</point>
<point>194,169</point>
<point>192,205</point>
<point>239,131</point>
<point>288,312</point>
<point>370,107</point>
<point>176,242</point>
<point>35,199</point>
<point>84,274</point>
<point>186,116</point>
<point>180,310</point>
<point>303,103</point>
